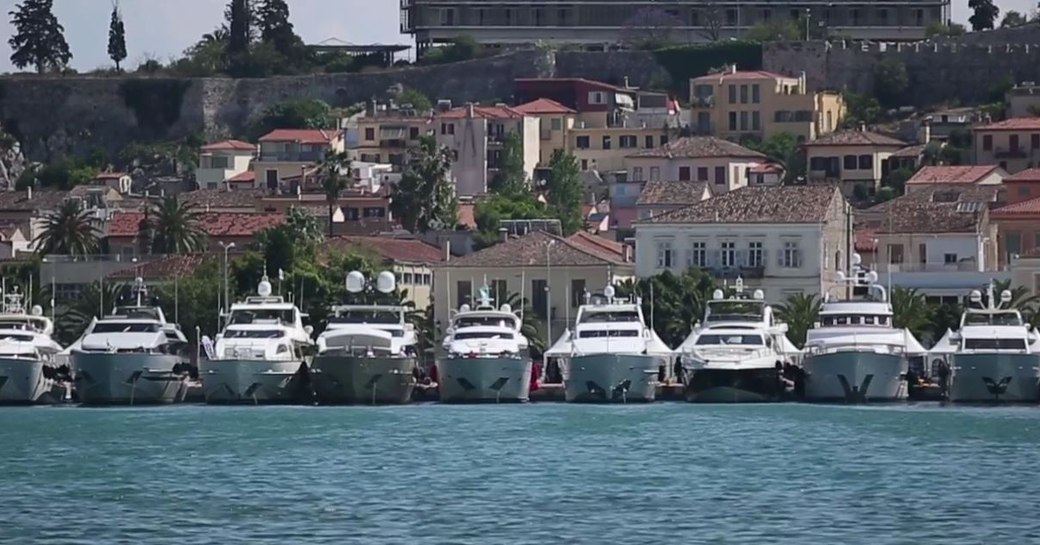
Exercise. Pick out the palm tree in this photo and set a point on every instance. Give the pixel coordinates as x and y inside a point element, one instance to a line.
<point>95,301</point>
<point>333,181</point>
<point>427,331</point>
<point>303,224</point>
<point>678,301</point>
<point>1020,297</point>
<point>531,326</point>
<point>69,230</point>
<point>799,311</point>
<point>175,227</point>
<point>910,311</point>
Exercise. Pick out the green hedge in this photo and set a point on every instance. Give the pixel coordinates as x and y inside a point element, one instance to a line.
<point>684,63</point>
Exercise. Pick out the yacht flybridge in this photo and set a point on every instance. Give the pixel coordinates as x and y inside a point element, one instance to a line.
<point>739,351</point>
<point>995,357</point>
<point>367,353</point>
<point>855,354</point>
<point>262,354</point>
<point>28,370</point>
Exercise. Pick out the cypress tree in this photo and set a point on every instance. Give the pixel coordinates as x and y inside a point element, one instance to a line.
<point>39,39</point>
<point>116,37</point>
<point>239,33</point>
<point>275,28</point>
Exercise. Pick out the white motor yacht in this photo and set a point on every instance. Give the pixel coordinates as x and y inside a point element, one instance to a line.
<point>28,370</point>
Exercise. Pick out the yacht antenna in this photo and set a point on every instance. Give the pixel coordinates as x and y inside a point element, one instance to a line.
<point>140,288</point>
<point>447,286</point>
<point>651,305</point>
<point>566,305</point>
<point>52,297</point>
<point>3,288</point>
<point>989,292</point>
<point>30,292</point>
<point>523,292</point>
<point>176,300</point>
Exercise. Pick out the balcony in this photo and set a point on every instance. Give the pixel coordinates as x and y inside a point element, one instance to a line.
<point>961,266</point>
<point>1010,153</point>
<point>292,157</point>
<point>703,102</point>
<point>742,263</point>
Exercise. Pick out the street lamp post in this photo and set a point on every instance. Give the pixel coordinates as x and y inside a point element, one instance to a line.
<point>548,300</point>
<point>227,247</point>
<point>808,17</point>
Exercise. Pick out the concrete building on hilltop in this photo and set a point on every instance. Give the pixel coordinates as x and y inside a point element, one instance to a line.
<point>606,22</point>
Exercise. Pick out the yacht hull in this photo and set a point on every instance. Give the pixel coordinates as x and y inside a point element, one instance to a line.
<point>484,380</point>
<point>855,377</point>
<point>254,382</point>
<point>611,378</point>
<point>994,378</point>
<point>750,385</point>
<point>129,378</point>
<point>26,382</point>
<point>356,380</point>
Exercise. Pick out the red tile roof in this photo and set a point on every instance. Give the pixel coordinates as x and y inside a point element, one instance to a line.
<point>170,266</point>
<point>866,240</point>
<point>543,106</point>
<point>486,112</point>
<point>303,136</point>
<point>694,147</point>
<point>751,74</point>
<point>605,248</point>
<point>229,145</point>
<point>779,204</point>
<point>1030,207</point>
<point>530,251</point>
<point>971,174</point>
<point>856,138</point>
<point>110,175</point>
<point>246,177</point>
<point>224,224</point>
<point>766,168</point>
<point>1013,124</point>
<point>407,250</point>
<point>1027,175</point>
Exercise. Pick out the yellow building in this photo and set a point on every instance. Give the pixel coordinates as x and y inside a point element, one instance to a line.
<point>733,104</point>
<point>387,139</point>
<point>1014,144</point>
<point>555,122</point>
<point>605,148</point>
<point>853,157</point>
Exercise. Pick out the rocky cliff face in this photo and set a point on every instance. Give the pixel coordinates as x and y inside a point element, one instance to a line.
<point>12,160</point>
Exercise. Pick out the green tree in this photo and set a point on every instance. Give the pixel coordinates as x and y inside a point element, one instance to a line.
<point>416,99</point>
<point>1013,18</point>
<point>896,179</point>
<point>775,30</point>
<point>511,178</point>
<point>39,39</point>
<point>944,317</point>
<point>192,300</point>
<point>489,214</point>
<point>862,109</point>
<point>304,226</point>
<point>566,191</point>
<point>530,327</point>
<point>276,29</point>
<point>800,311</point>
<point>69,230</point>
<point>425,197</point>
<point>293,114</point>
<point>240,21</point>
<point>890,82</point>
<point>938,30</point>
<point>173,227</point>
<point>984,14</point>
<point>332,173</point>
<point>96,300</point>
<point>675,303</point>
<point>910,311</point>
<point>462,48</point>
<point>116,37</point>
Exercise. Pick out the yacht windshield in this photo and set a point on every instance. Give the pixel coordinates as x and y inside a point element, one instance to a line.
<point>123,327</point>
<point>463,335</point>
<point>608,333</point>
<point>14,337</point>
<point>491,321</point>
<point>262,315</point>
<point>731,340</point>
<point>993,318</point>
<point>253,334</point>
<point>735,311</point>
<point>366,317</point>
<point>14,325</point>
<point>995,344</point>
<point>855,319</point>
<point>138,313</point>
<point>609,316</point>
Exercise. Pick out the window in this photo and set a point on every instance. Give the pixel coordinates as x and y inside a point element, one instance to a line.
<point>1013,142</point>
<point>1034,141</point>
<point>463,292</point>
<point>637,174</point>
<point>577,292</point>
<point>627,141</point>
<point>370,133</point>
<point>556,124</point>
<point>702,174</point>
<point>413,133</point>
<point>732,94</point>
<point>743,94</point>
<point>375,212</point>
<point>1013,243</point>
<point>699,255</point>
<point>664,139</point>
<point>849,162</point>
<point>655,174</point>
<point>792,256</point>
<point>606,142</point>
<point>499,291</point>
<point>865,162</point>
<point>597,97</point>
<point>352,214</point>
<point>720,175</point>
<point>743,121</point>
<point>895,253</point>
<point>648,141</point>
<point>733,121</point>
<point>539,296</point>
<point>684,174</point>
<point>756,120</point>
<point>406,278</point>
<point>987,142</point>
<point>950,259</point>
<point>754,258</point>
<point>584,164</point>
<point>664,255</point>
<point>582,142</point>
<point>729,254</point>
<point>756,93</point>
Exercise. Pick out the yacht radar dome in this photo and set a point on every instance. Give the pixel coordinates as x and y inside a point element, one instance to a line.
<point>856,259</point>
<point>37,310</point>
<point>976,296</point>
<point>507,308</point>
<point>759,295</point>
<point>841,276</point>
<point>264,289</point>
<point>608,292</point>
<point>385,282</point>
<point>355,282</point>
<point>464,308</point>
<point>872,277</point>
<point>717,295</point>
<point>1005,297</point>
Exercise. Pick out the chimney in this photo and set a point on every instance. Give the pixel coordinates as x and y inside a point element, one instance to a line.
<point>503,234</point>
<point>732,68</point>
<point>626,82</point>
<point>28,193</point>
<point>470,110</point>
<point>862,127</point>
<point>628,247</point>
<point>447,250</point>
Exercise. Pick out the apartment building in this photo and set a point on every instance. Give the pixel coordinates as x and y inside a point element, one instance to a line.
<point>387,138</point>
<point>855,158</point>
<point>605,148</point>
<point>721,163</point>
<point>555,122</point>
<point>476,135</point>
<point>1014,144</point>
<point>733,104</point>
<point>599,23</point>
<point>220,162</point>
<point>292,153</point>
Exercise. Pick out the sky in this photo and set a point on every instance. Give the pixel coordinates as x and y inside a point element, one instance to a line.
<point>162,29</point>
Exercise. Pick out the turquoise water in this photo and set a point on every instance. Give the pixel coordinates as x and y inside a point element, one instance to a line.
<point>540,473</point>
